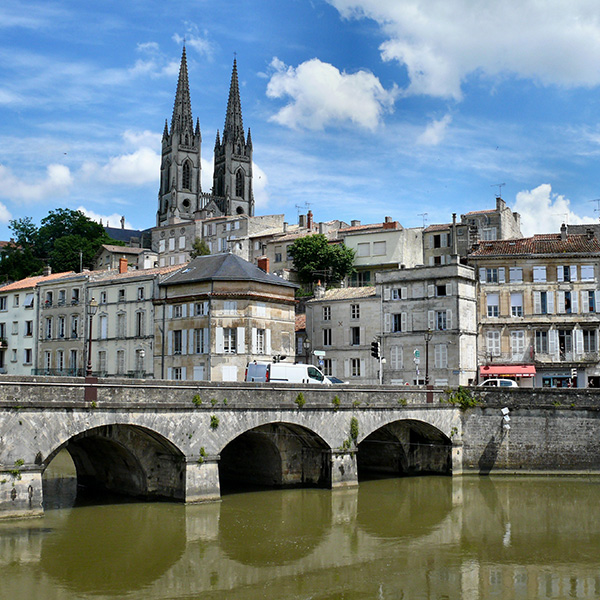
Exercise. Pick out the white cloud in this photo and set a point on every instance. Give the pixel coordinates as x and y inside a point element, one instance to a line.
<point>322,95</point>
<point>543,212</point>
<point>442,42</point>
<point>58,182</point>
<point>194,40</point>
<point>259,186</point>
<point>435,132</point>
<point>113,220</point>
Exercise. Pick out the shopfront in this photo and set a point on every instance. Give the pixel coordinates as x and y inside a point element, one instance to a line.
<point>524,375</point>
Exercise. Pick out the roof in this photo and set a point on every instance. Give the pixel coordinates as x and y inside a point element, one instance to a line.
<point>481,212</point>
<point>123,249</point>
<point>113,274</point>
<point>546,243</point>
<point>31,282</point>
<point>348,293</point>
<point>301,322</point>
<point>391,226</point>
<point>437,227</point>
<point>124,235</point>
<point>223,267</point>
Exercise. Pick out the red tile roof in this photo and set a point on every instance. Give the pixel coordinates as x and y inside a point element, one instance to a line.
<point>548,243</point>
<point>438,227</point>
<point>300,322</point>
<point>31,282</point>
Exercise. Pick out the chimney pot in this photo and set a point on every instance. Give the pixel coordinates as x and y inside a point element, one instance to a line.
<point>263,263</point>
<point>122,265</point>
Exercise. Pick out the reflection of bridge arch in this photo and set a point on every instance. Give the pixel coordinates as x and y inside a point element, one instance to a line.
<point>404,447</point>
<point>276,454</point>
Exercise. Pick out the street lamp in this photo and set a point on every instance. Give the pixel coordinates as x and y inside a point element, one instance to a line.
<point>92,308</point>
<point>306,345</point>
<point>427,335</point>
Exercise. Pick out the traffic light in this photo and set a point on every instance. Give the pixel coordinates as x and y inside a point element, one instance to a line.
<point>375,348</point>
<point>573,373</point>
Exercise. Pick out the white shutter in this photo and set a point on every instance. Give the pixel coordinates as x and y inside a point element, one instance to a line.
<point>198,372</point>
<point>501,275</point>
<point>448,289</point>
<point>579,341</point>
<point>448,319</point>
<point>241,342</point>
<point>206,307</point>
<point>574,304</point>
<point>184,310</point>
<point>403,293</point>
<point>169,373</point>
<point>184,339</point>
<point>431,319</point>
<point>191,309</point>
<point>169,343</point>
<point>219,340</point>
<point>183,373</point>
<point>386,293</point>
<point>553,341</point>
<point>431,261</point>
<point>362,368</point>
<point>560,273</point>
<point>403,322</point>
<point>537,303</point>
<point>347,367</point>
<point>268,341</point>
<point>444,240</point>
<point>205,342</point>
<point>431,241</point>
<point>597,297</point>
<point>482,275</point>
<point>170,311</point>
<point>573,272</point>
<point>585,301</point>
<point>550,302</point>
<point>430,290</point>
<point>387,322</point>
<point>191,341</point>
<point>560,302</point>
<point>254,344</point>
<point>362,335</point>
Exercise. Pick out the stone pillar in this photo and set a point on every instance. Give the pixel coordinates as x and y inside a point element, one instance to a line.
<point>457,458</point>
<point>202,479</point>
<point>344,472</point>
<point>21,491</point>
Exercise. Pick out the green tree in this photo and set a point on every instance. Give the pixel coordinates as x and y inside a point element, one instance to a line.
<point>199,248</point>
<point>19,259</point>
<point>316,259</point>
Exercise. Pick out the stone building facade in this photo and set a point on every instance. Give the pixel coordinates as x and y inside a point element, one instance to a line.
<point>538,309</point>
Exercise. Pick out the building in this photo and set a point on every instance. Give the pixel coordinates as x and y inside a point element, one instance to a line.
<point>429,325</point>
<point>108,257</point>
<point>217,314</point>
<point>538,303</point>
<point>340,326</point>
<point>19,323</point>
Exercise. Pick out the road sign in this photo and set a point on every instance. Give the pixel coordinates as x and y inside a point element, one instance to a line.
<point>417,354</point>
<point>319,352</point>
<point>321,362</point>
<point>417,361</point>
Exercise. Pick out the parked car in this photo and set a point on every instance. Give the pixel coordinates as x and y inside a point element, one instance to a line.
<point>498,383</point>
<point>335,380</point>
<point>282,372</point>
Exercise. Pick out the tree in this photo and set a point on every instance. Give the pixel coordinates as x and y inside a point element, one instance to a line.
<point>316,259</point>
<point>199,248</point>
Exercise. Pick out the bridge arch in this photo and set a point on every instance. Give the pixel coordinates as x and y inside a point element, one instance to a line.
<point>404,447</point>
<point>275,454</point>
<point>126,459</point>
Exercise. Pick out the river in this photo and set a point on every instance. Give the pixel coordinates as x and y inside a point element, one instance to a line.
<point>410,538</point>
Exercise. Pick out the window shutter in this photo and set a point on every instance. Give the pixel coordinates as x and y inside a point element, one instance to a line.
<point>254,345</point>
<point>184,310</point>
<point>191,341</point>
<point>362,335</point>
<point>170,311</point>
<point>560,273</point>
<point>431,319</point>
<point>585,301</point>
<point>448,289</point>
<point>574,303</point>
<point>430,290</point>
<point>597,298</point>
<point>579,341</point>
<point>169,373</point>
<point>170,343</point>
<point>448,319</point>
<point>268,341</point>
<point>431,261</point>
<point>206,307</point>
<point>573,272</point>
<point>241,342</point>
<point>430,242</point>
<point>191,309</point>
<point>183,373</point>
<point>501,275</point>
<point>219,340</point>
<point>347,367</point>
<point>205,342</point>
<point>550,302</point>
<point>482,275</point>
<point>553,341</point>
<point>362,368</point>
<point>403,321</point>
<point>184,341</point>
<point>537,303</point>
<point>387,320</point>
<point>444,240</point>
<point>403,293</point>
<point>560,301</point>
<point>198,372</point>
<point>386,293</point>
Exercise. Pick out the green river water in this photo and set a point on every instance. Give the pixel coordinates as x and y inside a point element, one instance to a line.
<point>410,538</point>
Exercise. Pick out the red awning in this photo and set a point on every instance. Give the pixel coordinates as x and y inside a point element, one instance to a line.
<point>507,371</point>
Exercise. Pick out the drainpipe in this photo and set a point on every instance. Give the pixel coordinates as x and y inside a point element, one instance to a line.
<point>210,335</point>
<point>162,348</point>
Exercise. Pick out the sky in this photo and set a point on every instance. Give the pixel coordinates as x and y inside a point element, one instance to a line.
<point>359,109</point>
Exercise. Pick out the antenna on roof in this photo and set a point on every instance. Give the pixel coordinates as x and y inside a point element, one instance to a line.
<point>597,209</point>
<point>306,205</point>
<point>424,215</point>
<point>499,186</point>
<point>565,215</point>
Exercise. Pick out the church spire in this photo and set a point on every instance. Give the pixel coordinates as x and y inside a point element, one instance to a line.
<point>182,110</point>
<point>234,126</point>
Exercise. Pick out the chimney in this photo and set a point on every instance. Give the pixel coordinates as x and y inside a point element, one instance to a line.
<point>563,232</point>
<point>319,291</point>
<point>388,219</point>
<point>589,233</point>
<point>263,263</point>
<point>321,227</point>
<point>122,222</point>
<point>309,220</point>
<point>285,226</point>
<point>47,271</point>
<point>302,220</point>
<point>122,265</point>
<point>354,223</point>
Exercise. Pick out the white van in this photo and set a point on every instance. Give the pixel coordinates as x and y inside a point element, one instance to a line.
<point>284,373</point>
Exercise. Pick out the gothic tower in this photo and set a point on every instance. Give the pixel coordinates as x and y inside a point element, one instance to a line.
<point>180,188</point>
<point>232,176</point>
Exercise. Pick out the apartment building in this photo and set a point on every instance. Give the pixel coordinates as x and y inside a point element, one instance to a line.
<point>538,305</point>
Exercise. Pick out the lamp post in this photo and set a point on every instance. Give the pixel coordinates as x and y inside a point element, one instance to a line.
<point>427,335</point>
<point>92,308</point>
<point>306,345</point>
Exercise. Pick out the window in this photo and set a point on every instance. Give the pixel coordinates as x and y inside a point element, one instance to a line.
<point>27,356</point>
<point>186,176</point>
<point>62,297</point>
<point>493,343</point>
<point>441,321</point>
<point>441,356</point>
<point>355,336</point>
<point>493,305</point>
<point>277,253</point>
<point>139,361</point>
<point>2,302</point>
<point>3,330</point>
<point>61,326</point>
<point>517,343</point>
<point>177,373</point>
<point>326,337</point>
<point>260,309</point>
<point>182,242</point>
<point>199,341</point>
<point>73,361</point>
<point>121,325</point>
<point>539,274</point>
<point>29,300</point>
<point>491,275</point>
<point>48,328</point>
<point>355,311</point>
<point>327,367</point>
<point>516,304</point>
<point>566,302</point>
<point>161,246</point>
<point>440,290</point>
<point>13,355</point>
<point>102,361</point>
<point>15,328</point>
<point>60,360</point>
<point>543,303</point>
<point>177,341</point>
<point>260,341</point>
<point>587,273</point>
<point>47,360</point>
<point>122,295</point>
<point>327,313</point>
<point>515,274</point>
<point>103,326</point>
<point>565,342</point>
<point>49,298</point>
<point>140,293</point>
<point>230,307</point>
<point>589,340</point>
<point>75,296</point>
<point>239,184</point>
<point>379,248</point>
<point>74,326</point>
<point>16,300</point>
<point>589,301</point>
<point>177,311</point>
<point>102,297</point>
<point>541,342</point>
<point>397,322</point>
<point>140,323</point>
<point>488,233</point>
<point>360,279</point>
<point>363,249</point>
<point>566,273</point>
<point>288,255</point>
<point>355,367</point>
<point>200,309</point>
<point>28,328</point>
<point>171,243</point>
<point>229,340</point>
<point>396,358</point>
<point>120,362</point>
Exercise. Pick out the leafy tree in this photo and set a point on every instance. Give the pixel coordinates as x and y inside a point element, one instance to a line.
<point>316,259</point>
<point>199,248</point>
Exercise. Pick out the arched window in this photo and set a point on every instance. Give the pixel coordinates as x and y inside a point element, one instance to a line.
<point>219,184</point>
<point>239,184</point>
<point>187,176</point>
<point>166,181</point>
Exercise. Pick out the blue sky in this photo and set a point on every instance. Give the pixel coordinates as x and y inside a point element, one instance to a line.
<point>359,109</point>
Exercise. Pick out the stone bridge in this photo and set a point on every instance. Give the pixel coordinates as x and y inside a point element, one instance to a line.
<point>185,442</point>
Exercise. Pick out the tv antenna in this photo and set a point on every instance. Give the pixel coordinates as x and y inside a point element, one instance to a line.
<point>499,186</point>
<point>424,215</point>
<point>306,206</point>
<point>597,209</point>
